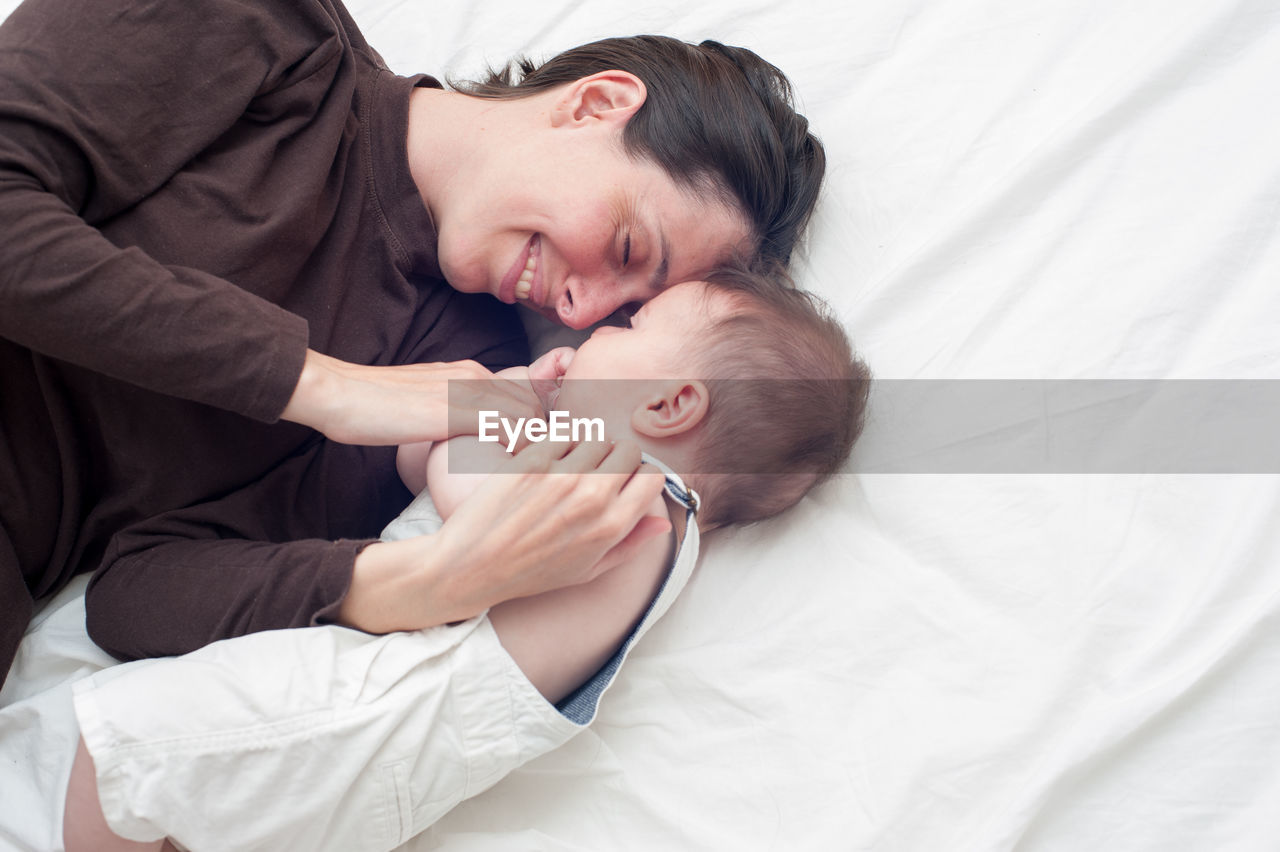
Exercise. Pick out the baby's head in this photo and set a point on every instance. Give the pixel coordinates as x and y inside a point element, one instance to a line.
<point>743,384</point>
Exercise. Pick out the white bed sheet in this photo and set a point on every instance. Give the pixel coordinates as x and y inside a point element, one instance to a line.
<point>1048,190</point>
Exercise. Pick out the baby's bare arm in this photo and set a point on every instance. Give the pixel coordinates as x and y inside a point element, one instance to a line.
<point>411,464</point>
<point>562,637</point>
<point>412,459</point>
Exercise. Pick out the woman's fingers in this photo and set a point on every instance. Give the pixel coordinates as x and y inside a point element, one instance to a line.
<point>584,456</point>
<point>538,457</point>
<point>549,521</point>
<point>624,551</point>
<point>615,480</point>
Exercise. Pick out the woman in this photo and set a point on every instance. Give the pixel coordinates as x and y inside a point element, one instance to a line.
<point>219,216</point>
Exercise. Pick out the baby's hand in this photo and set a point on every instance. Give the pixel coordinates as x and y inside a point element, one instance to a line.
<point>547,373</point>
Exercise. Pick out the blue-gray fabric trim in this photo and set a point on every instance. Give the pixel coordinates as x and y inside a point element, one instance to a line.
<point>580,706</point>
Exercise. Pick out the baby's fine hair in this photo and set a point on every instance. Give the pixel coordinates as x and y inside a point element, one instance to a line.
<point>788,397</point>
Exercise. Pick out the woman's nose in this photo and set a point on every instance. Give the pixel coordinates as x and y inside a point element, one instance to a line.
<point>587,300</point>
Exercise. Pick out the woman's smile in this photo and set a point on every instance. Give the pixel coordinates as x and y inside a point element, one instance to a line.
<point>523,281</point>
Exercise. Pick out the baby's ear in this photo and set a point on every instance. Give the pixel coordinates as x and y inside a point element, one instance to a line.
<point>674,408</point>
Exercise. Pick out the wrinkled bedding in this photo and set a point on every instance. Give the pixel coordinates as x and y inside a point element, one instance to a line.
<point>926,660</point>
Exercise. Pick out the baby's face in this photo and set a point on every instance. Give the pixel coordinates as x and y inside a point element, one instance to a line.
<point>612,370</point>
<point>656,341</point>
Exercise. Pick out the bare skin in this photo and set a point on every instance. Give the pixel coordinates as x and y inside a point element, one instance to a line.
<point>84,828</point>
<point>524,532</point>
<point>564,526</point>
<point>558,638</point>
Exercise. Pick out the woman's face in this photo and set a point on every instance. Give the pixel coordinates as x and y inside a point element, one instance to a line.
<point>570,225</point>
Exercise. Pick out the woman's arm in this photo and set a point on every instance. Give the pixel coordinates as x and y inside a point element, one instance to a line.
<point>240,564</point>
<point>559,515</point>
<point>101,104</point>
<point>412,403</point>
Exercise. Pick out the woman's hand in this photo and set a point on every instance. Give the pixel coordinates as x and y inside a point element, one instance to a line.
<point>355,404</point>
<point>559,515</point>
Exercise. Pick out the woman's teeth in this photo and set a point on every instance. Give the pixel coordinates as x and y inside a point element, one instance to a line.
<point>524,285</point>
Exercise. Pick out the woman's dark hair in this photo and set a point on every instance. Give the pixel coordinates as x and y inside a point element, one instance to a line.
<point>716,118</point>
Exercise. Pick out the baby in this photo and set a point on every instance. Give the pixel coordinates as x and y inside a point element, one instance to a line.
<point>407,725</point>
<point>776,408</point>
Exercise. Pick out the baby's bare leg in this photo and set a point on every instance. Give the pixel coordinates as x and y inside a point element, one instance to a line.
<point>84,828</point>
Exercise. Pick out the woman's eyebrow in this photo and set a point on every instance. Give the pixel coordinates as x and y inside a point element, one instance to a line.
<point>658,282</point>
<point>625,214</point>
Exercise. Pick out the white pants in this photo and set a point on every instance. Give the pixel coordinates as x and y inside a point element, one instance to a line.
<point>324,738</point>
<point>327,738</point>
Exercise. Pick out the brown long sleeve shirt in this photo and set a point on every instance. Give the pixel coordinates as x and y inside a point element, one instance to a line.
<point>192,192</point>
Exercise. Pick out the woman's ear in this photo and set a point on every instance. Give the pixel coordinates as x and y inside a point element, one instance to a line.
<point>673,409</point>
<point>610,96</point>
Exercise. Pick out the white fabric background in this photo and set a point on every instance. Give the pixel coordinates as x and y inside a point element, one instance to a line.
<point>1049,189</point>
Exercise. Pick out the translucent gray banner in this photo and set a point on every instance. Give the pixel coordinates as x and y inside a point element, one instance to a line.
<point>954,426</point>
<point>754,426</point>
<point>1071,426</point>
